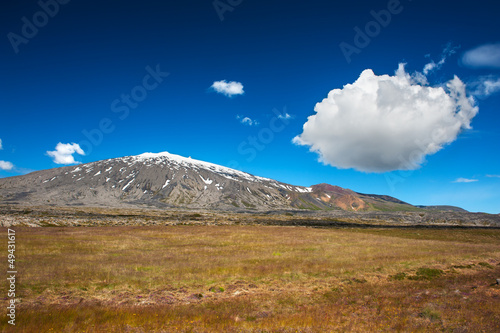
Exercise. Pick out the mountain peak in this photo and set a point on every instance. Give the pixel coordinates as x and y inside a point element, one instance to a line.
<point>160,158</point>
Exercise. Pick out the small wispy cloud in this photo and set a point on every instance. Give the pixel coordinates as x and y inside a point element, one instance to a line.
<point>493,176</point>
<point>64,153</point>
<point>6,166</point>
<point>484,56</point>
<point>247,121</point>
<point>448,51</point>
<point>485,86</point>
<point>286,115</point>
<point>464,180</point>
<point>229,89</point>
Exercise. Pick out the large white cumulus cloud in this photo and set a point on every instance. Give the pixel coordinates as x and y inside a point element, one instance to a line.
<point>385,123</point>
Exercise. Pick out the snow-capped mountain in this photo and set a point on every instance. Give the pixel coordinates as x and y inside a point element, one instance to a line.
<point>168,180</point>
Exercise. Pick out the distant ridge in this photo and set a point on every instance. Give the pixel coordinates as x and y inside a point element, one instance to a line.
<point>444,208</point>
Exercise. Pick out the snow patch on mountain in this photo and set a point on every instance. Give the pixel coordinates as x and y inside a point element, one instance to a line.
<point>130,182</point>
<point>207,181</point>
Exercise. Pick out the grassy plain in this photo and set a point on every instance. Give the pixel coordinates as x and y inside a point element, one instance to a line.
<point>235,278</point>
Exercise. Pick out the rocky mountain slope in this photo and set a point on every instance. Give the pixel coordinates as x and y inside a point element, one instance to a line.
<point>168,180</point>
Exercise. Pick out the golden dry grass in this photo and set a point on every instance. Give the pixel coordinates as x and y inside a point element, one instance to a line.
<point>255,279</point>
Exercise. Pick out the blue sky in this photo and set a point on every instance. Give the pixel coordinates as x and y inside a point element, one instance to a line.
<point>72,74</point>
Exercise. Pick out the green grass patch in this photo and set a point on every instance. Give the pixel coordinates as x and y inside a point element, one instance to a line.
<point>485,264</point>
<point>429,312</point>
<point>425,273</point>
